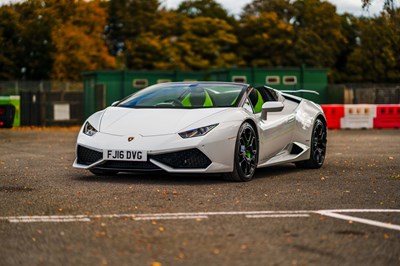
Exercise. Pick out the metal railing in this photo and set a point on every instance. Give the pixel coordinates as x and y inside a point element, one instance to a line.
<point>364,94</point>
<point>44,103</point>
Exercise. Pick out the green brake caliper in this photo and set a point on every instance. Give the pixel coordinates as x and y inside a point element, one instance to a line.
<point>248,154</point>
<point>243,150</point>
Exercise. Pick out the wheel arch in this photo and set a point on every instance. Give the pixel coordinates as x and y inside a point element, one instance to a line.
<point>322,118</point>
<point>254,125</point>
<point>313,163</point>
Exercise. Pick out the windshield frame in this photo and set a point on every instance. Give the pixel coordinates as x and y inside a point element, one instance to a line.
<point>243,89</point>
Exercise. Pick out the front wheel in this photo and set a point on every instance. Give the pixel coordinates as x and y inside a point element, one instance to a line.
<point>246,155</point>
<point>318,147</point>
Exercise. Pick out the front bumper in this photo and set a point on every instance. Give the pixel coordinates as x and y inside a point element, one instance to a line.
<point>212,153</point>
<point>180,160</point>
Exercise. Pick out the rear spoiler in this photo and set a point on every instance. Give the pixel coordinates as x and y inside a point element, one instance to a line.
<point>300,91</point>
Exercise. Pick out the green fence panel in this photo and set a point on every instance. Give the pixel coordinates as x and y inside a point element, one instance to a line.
<point>16,101</point>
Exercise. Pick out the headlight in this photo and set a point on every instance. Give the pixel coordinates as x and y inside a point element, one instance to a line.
<point>198,132</point>
<point>89,130</point>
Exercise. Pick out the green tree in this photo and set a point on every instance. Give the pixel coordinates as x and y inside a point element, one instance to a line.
<point>27,38</point>
<point>185,43</point>
<point>201,10</point>
<point>51,38</point>
<point>78,44</point>
<point>388,5</point>
<point>285,33</point>
<point>318,34</point>
<point>9,41</point>
<point>376,57</point>
<point>266,40</point>
<point>283,8</point>
<point>127,20</point>
<point>205,8</point>
<point>350,30</point>
<point>209,40</point>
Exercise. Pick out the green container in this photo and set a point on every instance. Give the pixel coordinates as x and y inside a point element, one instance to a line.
<point>16,101</point>
<point>290,79</point>
<point>102,88</point>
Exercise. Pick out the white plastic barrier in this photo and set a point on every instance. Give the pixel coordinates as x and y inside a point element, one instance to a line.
<point>358,116</point>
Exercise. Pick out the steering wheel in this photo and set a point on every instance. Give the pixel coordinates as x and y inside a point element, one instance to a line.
<point>170,102</point>
<point>175,102</point>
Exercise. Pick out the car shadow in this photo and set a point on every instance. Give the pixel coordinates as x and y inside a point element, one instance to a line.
<point>184,179</point>
<point>272,172</point>
<point>152,178</point>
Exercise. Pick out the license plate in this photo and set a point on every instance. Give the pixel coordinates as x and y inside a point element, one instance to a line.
<point>124,155</point>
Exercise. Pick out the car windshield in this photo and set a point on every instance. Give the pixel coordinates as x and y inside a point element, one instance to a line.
<point>185,95</point>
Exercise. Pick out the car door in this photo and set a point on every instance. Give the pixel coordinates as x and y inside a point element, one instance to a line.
<point>276,132</point>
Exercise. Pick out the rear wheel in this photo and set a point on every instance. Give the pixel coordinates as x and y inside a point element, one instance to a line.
<point>103,172</point>
<point>246,154</point>
<point>318,147</point>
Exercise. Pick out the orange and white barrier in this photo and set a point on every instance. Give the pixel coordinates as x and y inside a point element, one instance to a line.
<point>333,114</point>
<point>359,116</point>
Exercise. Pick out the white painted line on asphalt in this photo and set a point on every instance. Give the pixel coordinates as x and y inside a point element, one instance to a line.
<point>360,220</point>
<point>47,216</point>
<point>46,220</point>
<point>255,212</point>
<point>150,216</point>
<point>277,215</point>
<point>360,210</point>
<point>146,218</point>
<point>168,215</point>
<point>110,216</point>
<point>205,215</point>
<point>223,213</point>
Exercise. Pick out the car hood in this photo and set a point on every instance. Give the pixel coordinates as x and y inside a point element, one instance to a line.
<point>151,122</point>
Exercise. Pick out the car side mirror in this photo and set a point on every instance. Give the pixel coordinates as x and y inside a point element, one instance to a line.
<point>114,103</point>
<point>271,107</point>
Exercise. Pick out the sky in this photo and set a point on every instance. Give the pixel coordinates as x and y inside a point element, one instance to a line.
<point>235,6</point>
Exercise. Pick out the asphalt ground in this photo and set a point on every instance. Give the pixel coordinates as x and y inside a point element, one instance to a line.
<point>347,212</point>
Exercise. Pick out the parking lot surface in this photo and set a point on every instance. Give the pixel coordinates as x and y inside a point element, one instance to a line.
<point>347,212</point>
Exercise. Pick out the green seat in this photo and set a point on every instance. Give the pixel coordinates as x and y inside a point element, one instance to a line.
<point>259,104</point>
<point>234,100</point>
<point>197,99</point>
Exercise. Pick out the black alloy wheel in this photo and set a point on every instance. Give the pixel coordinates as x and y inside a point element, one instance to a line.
<point>246,154</point>
<point>318,147</point>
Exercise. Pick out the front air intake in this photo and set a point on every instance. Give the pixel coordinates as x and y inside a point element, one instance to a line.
<point>88,156</point>
<point>188,159</point>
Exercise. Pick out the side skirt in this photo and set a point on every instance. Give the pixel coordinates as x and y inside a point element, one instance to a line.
<point>293,152</point>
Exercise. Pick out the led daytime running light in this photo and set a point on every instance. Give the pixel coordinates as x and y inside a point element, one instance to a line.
<point>89,130</point>
<point>198,132</point>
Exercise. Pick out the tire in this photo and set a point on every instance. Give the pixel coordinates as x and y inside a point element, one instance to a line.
<point>245,156</point>
<point>103,172</point>
<point>318,147</point>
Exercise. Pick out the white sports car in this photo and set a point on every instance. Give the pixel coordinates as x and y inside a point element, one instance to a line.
<point>203,127</point>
